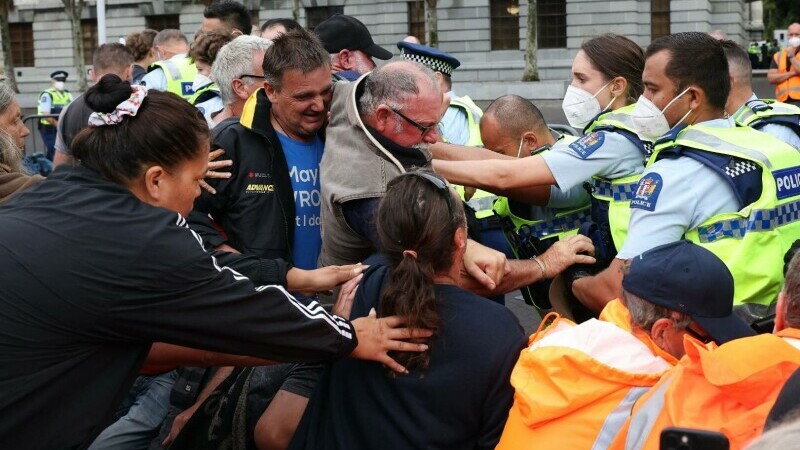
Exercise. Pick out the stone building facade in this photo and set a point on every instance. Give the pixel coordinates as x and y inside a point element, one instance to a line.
<point>488,36</point>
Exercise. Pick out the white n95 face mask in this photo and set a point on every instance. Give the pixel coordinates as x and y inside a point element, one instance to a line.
<point>581,107</point>
<point>649,121</point>
<point>794,41</point>
<point>59,85</point>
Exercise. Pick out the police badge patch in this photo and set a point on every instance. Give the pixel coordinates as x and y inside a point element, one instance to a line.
<point>586,145</point>
<point>647,192</point>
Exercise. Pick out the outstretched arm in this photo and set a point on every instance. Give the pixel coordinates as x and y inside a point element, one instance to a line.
<point>497,175</point>
<point>571,250</point>
<point>451,152</point>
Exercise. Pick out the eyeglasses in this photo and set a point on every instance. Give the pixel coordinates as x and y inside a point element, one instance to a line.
<point>440,185</point>
<point>416,125</point>
<point>699,335</point>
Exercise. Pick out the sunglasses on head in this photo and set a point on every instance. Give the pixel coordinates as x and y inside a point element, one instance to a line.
<point>437,182</point>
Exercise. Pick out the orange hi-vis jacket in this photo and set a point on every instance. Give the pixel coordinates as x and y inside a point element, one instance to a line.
<point>615,312</point>
<point>730,389</point>
<point>575,386</point>
<point>790,88</point>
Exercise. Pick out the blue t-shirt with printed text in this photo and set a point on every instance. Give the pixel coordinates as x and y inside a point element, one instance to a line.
<point>303,160</point>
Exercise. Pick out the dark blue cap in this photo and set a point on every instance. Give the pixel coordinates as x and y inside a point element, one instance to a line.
<point>59,75</point>
<point>434,58</point>
<point>685,277</point>
<point>340,32</point>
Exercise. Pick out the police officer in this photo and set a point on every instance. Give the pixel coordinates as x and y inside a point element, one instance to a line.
<point>606,81</point>
<point>514,127</point>
<point>174,71</point>
<point>781,120</point>
<point>730,189</point>
<point>52,101</point>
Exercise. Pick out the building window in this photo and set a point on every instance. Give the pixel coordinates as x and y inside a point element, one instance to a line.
<point>504,24</point>
<point>21,44</point>
<point>318,14</point>
<point>416,20</point>
<point>163,22</point>
<point>89,29</point>
<point>659,18</point>
<point>552,23</point>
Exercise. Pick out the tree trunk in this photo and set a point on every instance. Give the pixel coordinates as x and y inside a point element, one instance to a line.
<point>432,23</point>
<point>296,10</point>
<point>531,72</point>
<point>74,8</point>
<point>5,35</point>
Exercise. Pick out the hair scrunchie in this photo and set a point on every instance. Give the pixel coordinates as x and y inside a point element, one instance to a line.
<point>127,108</point>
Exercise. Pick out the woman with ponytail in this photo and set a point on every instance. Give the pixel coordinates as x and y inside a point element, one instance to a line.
<point>457,392</point>
<point>113,268</point>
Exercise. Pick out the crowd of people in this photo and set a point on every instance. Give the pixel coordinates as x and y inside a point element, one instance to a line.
<point>271,242</point>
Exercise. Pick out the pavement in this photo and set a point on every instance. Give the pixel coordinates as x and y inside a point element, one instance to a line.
<point>527,315</point>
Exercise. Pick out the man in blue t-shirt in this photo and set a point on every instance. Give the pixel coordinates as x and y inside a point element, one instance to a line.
<point>303,160</point>
<point>270,205</point>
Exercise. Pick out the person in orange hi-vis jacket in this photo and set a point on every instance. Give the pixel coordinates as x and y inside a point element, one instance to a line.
<point>730,389</point>
<point>575,385</point>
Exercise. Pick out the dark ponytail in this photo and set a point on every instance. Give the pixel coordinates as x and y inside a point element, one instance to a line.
<point>165,131</point>
<point>416,224</point>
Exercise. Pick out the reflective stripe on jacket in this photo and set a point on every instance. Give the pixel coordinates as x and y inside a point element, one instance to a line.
<point>789,88</point>
<point>730,389</point>
<point>753,241</point>
<point>180,74</point>
<point>618,192</point>
<point>575,386</point>
<point>60,99</point>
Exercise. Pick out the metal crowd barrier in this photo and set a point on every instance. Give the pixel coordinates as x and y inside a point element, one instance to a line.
<point>33,126</point>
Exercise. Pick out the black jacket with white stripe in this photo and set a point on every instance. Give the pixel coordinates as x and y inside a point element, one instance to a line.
<point>90,277</point>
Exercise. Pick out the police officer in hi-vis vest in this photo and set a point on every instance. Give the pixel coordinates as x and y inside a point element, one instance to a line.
<point>732,190</point>
<point>606,81</point>
<point>173,70</point>
<point>52,101</point>
<point>781,120</point>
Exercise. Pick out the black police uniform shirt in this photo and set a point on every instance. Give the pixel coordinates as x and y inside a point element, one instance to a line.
<point>90,277</point>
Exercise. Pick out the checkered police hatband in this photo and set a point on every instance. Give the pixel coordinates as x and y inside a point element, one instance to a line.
<point>437,65</point>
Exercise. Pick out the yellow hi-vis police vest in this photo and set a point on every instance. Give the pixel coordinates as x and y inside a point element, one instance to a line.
<point>753,241</point>
<point>618,192</point>
<point>757,113</point>
<point>473,114</point>
<point>205,93</point>
<point>180,74</point>
<point>564,223</point>
<point>481,201</point>
<point>59,101</point>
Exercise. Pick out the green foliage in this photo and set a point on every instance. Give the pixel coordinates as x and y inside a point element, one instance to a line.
<point>778,14</point>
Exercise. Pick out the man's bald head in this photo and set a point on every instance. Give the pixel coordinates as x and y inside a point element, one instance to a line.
<point>511,123</point>
<point>402,101</point>
<point>394,82</point>
<point>517,115</point>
